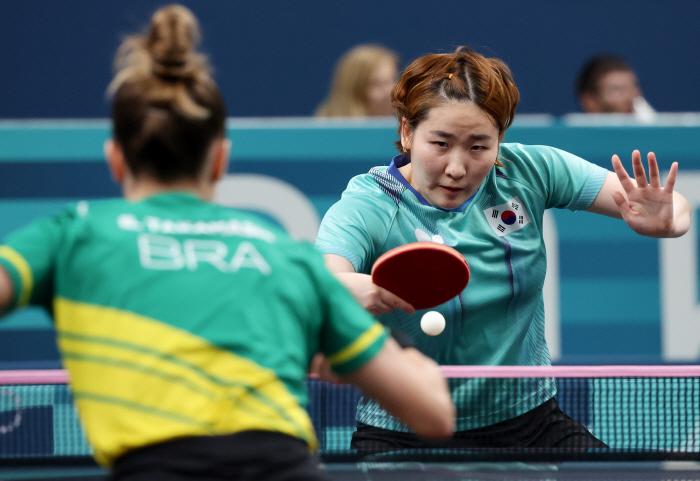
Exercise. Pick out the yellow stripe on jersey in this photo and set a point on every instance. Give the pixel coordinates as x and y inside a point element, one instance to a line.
<point>24,271</point>
<point>139,381</point>
<point>358,345</point>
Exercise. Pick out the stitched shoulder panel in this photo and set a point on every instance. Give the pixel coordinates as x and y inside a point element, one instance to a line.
<point>388,183</point>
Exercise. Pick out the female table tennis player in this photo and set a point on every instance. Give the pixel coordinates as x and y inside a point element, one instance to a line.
<point>455,182</point>
<point>188,329</point>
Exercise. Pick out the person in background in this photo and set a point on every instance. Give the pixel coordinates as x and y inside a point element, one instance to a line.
<point>608,84</point>
<point>187,328</point>
<point>456,182</point>
<point>362,83</point>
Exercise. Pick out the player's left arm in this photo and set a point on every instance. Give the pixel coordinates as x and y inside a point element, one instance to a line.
<point>6,291</point>
<point>649,208</point>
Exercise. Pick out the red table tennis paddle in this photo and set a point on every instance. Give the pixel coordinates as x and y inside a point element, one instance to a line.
<point>424,274</point>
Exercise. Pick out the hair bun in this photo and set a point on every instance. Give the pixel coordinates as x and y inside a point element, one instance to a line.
<point>172,40</point>
<point>164,66</point>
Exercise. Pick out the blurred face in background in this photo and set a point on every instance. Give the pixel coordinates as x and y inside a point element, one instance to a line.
<point>381,81</point>
<point>616,93</point>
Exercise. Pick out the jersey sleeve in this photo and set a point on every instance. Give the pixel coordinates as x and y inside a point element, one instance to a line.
<point>565,180</point>
<point>29,257</point>
<point>350,336</point>
<point>356,226</point>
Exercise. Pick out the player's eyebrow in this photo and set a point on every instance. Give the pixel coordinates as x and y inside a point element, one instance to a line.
<point>447,135</point>
<point>444,135</point>
<point>480,137</point>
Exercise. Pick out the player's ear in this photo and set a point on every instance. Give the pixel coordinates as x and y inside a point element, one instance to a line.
<point>222,150</point>
<point>115,160</point>
<point>406,134</point>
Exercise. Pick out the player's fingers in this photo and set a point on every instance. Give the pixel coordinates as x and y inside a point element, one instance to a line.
<point>640,174</point>
<point>395,302</point>
<point>622,174</point>
<point>654,176</point>
<point>671,179</point>
<point>379,308</point>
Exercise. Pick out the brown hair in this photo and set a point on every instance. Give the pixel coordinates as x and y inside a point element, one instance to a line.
<point>348,94</point>
<point>596,68</point>
<point>464,76</point>
<point>166,109</point>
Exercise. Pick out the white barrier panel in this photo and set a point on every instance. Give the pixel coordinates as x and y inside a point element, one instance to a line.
<point>552,314</point>
<point>678,268</point>
<point>284,202</point>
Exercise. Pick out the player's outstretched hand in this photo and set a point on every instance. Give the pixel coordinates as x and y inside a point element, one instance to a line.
<point>647,206</point>
<point>375,299</point>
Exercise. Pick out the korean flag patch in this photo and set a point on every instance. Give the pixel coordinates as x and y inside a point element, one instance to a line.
<point>508,217</point>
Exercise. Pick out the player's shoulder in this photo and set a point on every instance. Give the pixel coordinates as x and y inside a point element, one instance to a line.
<point>97,206</point>
<point>86,209</point>
<point>533,161</point>
<point>363,184</point>
<point>375,188</point>
<point>528,156</point>
<point>533,156</point>
<point>370,197</point>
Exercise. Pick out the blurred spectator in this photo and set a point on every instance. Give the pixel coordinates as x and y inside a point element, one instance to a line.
<point>607,84</point>
<point>362,83</point>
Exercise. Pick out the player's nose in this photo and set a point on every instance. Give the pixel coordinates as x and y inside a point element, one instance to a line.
<point>456,167</point>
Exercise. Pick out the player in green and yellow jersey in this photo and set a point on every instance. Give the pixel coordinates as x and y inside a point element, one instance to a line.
<point>188,328</point>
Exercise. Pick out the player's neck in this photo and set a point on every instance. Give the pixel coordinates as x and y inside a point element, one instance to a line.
<point>135,190</point>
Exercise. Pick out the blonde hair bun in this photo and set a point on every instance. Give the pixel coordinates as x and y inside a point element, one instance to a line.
<point>171,41</point>
<point>165,59</point>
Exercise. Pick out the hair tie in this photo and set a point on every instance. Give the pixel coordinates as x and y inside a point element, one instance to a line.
<point>171,63</point>
<point>449,77</point>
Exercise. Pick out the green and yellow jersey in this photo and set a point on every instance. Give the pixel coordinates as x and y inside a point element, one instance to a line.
<point>176,317</point>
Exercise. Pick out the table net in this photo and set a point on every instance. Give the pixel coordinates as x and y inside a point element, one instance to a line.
<point>639,412</point>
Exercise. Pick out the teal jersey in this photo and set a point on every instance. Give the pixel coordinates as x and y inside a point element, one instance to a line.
<point>499,317</point>
<point>176,317</point>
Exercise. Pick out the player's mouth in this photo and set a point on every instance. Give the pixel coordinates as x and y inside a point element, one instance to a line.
<point>451,190</point>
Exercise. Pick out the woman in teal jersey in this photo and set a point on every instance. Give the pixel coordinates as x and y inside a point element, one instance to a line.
<point>455,182</point>
<point>188,328</point>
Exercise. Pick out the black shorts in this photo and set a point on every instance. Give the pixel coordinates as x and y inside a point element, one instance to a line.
<point>249,455</point>
<point>546,426</point>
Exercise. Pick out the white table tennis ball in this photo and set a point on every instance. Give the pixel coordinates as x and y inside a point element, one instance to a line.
<point>432,323</point>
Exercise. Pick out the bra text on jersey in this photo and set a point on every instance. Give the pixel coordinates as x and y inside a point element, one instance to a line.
<point>158,252</point>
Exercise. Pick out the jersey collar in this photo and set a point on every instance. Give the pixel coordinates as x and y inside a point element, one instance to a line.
<point>400,161</point>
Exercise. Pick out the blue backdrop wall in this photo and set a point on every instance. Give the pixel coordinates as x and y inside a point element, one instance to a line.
<point>275,57</point>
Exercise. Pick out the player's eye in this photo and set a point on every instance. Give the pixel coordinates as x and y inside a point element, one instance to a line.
<point>440,143</point>
<point>478,147</point>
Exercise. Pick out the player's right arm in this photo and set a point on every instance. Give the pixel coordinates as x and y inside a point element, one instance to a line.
<point>359,350</point>
<point>27,260</point>
<point>375,299</point>
<point>6,291</point>
<point>411,387</point>
<point>350,234</point>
